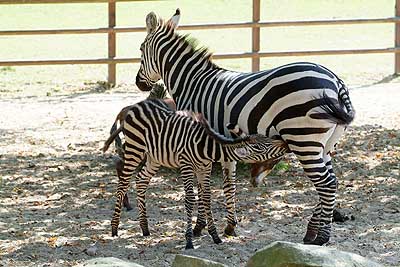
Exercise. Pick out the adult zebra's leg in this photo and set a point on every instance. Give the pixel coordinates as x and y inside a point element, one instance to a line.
<point>229,174</point>
<point>327,193</point>
<point>204,179</point>
<point>188,176</point>
<point>142,183</point>
<point>313,226</point>
<point>319,226</point>
<point>201,219</point>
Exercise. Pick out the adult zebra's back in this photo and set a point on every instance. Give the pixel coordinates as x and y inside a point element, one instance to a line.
<point>304,104</point>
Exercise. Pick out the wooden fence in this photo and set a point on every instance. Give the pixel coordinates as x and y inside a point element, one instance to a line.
<point>255,25</point>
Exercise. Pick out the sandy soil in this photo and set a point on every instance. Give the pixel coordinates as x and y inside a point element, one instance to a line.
<point>56,188</point>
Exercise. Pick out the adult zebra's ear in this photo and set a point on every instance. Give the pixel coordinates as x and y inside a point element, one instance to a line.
<point>151,22</point>
<point>174,20</point>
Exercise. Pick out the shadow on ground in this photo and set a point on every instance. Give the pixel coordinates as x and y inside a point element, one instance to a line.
<point>53,207</point>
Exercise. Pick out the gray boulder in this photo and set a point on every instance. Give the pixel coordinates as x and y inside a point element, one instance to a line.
<point>108,262</point>
<point>286,254</point>
<point>186,261</point>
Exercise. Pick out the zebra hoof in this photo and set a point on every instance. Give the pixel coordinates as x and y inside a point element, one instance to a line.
<point>197,229</point>
<point>320,240</point>
<point>126,203</point>
<point>114,232</point>
<point>308,241</point>
<point>146,232</point>
<point>324,233</point>
<point>197,232</point>
<point>310,236</point>
<point>189,245</point>
<point>229,231</point>
<point>217,240</point>
<point>128,208</point>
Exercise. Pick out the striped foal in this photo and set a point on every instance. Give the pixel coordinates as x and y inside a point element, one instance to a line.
<point>184,140</point>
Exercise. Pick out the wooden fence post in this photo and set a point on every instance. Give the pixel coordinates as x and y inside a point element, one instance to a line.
<point>397,39</point>
<point>255,65</point>
<point>111,43</point>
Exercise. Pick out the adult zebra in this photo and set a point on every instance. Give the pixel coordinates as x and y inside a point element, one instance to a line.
<point>304,104</point>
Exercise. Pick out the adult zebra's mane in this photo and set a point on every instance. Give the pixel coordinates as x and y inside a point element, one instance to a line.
<point>189,41</point>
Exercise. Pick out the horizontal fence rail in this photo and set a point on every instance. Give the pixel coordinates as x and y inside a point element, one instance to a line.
<point>255,25</point>
<point>215,56</point>
<point>207,26</point>
<point>10,2</point>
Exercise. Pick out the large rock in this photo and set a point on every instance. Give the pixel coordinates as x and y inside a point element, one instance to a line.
<point>186,261</point>
<point>108,262</point>
<point>286,254</point>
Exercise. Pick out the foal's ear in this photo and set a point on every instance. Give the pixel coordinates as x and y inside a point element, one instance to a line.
<point>174,20</point>
<point>151,22</point>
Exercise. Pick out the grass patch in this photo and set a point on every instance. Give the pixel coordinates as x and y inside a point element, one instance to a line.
<point>282,166</point>
<point>7,69</point>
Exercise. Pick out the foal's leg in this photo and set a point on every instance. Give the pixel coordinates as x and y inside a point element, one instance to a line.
<point>124,175</point>
<point>204,179</point>
<point>201,219</point>
<point>119,165</point>
<point>142,183</point>
<point>188,176</point>
<point>229,174</point>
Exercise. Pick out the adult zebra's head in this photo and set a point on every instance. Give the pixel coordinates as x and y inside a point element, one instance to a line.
<point>149,71</point>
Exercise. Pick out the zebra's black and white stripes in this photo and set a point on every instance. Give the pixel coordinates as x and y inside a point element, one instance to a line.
<point>181,140</point>
<point>304,104</point>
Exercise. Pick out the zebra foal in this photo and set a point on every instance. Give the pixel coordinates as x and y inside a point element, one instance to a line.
<point>184,140</point>
<point>158,91</point>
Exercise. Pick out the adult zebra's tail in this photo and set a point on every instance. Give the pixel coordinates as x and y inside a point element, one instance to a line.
<point>340,112</point>
<point>345,98</point>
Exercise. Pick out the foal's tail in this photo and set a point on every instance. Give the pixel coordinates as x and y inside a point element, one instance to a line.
<point>114,131</point>
<point>114,135</point>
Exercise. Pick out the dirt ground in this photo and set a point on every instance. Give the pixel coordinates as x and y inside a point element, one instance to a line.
<point>57,188</point>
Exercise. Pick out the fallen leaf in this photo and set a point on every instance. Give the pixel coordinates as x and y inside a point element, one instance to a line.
<point>52,241</point>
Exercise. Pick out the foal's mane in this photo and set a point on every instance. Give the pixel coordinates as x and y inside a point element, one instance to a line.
<point>199,119</point>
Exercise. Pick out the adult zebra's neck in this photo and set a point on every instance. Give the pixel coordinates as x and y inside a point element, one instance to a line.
<point>182,64</point>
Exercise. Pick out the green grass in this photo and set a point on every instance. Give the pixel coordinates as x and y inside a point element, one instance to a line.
<point>7,69</point>
<point>355,69</point>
